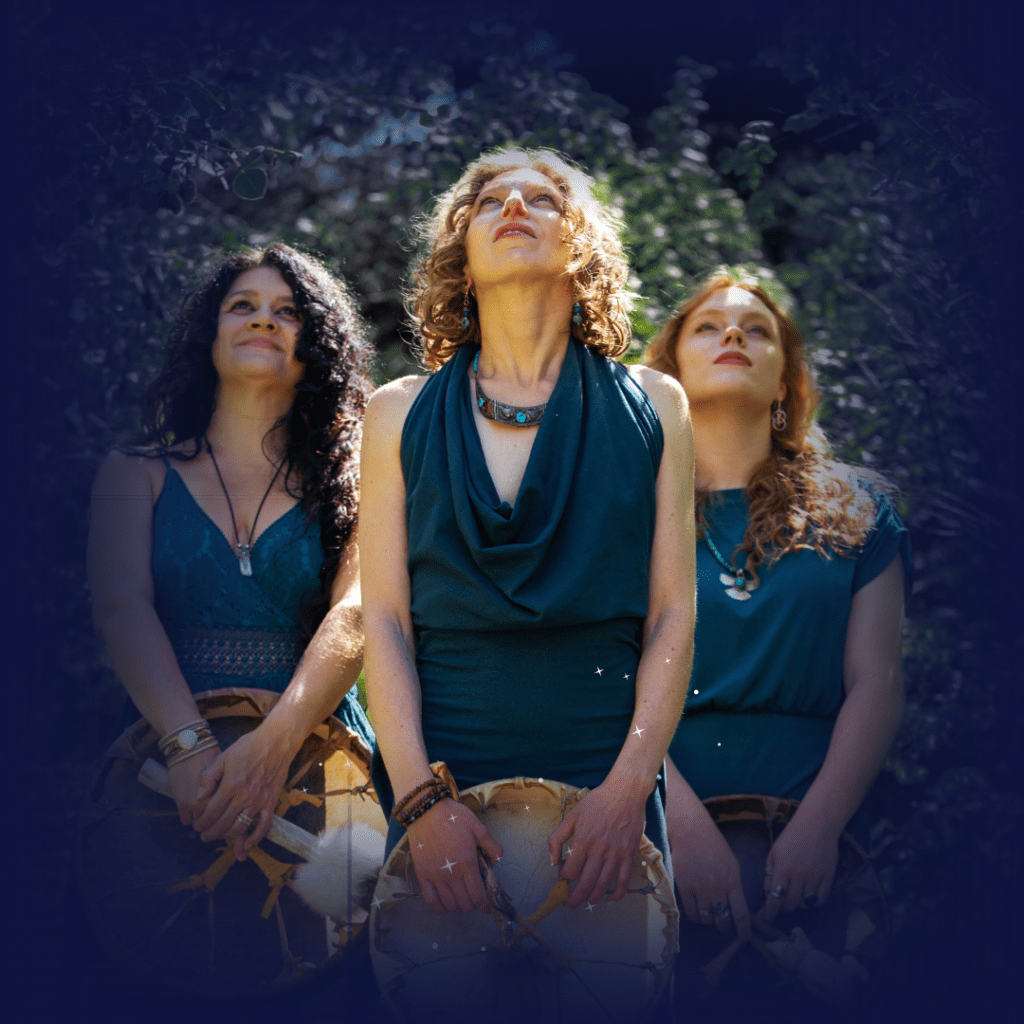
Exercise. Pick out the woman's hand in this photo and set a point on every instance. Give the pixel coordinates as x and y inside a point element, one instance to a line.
<point>603,832</point>
<point>186,781</point>
<point>800,867</point>
<point>708,876</point>
<point>245,781</point>
<point>443,843</point>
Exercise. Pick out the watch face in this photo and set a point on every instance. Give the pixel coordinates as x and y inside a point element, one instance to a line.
<point>187,738</point>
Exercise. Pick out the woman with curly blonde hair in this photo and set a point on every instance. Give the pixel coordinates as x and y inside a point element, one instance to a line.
<point>526,535</point>
<point>796,689</point>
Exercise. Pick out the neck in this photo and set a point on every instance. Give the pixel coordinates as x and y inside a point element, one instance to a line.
<point>729,444</point>
<point>524,331</point>
<point>242,424</point>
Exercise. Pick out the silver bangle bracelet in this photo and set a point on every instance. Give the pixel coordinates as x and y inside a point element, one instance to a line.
<point>184,755</point>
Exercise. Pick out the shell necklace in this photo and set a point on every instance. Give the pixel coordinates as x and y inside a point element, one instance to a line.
<point>244,561</point>
<point>738,582</point>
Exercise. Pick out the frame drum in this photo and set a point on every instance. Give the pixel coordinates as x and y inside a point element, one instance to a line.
<point>609,962</point>
<point>848,933</point>
<point>183,912</point>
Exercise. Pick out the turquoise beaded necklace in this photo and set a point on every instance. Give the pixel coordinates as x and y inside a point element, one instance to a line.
<point>738,584</point>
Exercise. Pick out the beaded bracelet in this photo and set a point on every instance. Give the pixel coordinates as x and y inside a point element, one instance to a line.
<point>419,802</point>
<point>407,818</point>
<point>429,784</point>
<point>184,755</point>
<point>401,812</point>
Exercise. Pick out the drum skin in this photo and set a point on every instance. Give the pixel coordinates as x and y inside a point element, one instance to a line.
<point>611,962</point>
<point>853,922</point>
<point>178,911</point>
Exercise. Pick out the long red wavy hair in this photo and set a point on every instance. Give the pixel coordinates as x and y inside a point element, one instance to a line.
<point>800,496</point>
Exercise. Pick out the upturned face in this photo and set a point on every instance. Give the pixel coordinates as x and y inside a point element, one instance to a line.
<point>258,329</point>
<point>516,230</point>
<point>729,347</point>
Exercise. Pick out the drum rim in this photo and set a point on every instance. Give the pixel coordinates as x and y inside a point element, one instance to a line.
<point>144,970</point>
<point>568,795</point>
<point>743,807</point>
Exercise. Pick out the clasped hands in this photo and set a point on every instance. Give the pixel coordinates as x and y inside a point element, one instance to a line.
<point>601,833</point>
<point>231,795</point>
<point>799,871</point>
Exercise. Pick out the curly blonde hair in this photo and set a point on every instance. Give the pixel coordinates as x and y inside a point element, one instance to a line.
<point>800,496</point>
<point>597,264</point>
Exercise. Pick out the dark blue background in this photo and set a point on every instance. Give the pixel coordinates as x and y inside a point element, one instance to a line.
<point>962,964</point>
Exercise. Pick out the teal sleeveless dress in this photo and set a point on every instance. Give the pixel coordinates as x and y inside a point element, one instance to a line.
<point>528,619</point>
<point>228,629</point>
<point>767,680</point>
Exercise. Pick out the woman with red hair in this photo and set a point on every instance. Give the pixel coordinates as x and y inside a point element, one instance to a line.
<point>796,690</point>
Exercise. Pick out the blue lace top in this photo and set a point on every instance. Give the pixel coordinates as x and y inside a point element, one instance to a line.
<point>228,629</point>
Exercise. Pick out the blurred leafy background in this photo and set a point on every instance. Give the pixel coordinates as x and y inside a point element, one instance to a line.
<point>856,167</point>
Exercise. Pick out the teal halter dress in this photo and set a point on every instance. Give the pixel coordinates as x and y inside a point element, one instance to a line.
<point>228,629</point>
<point>528,619</point>
<point>767,680</point>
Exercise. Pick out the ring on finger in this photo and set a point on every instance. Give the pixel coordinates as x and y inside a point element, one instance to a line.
<point>778,891</point>
<point>705,913</point>
<point>723,911</point>
<point>244,819</point>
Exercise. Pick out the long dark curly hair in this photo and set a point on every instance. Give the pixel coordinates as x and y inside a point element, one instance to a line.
<point>323,427</point>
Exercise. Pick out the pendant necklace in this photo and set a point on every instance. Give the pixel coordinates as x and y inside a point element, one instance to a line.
<point>515,415</point>
<point>738,582</point>
<point>244,562</point>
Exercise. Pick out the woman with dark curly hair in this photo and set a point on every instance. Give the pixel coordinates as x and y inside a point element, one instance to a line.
<point>526,543</point>
<point>796,689</point>
<point>222,551</point>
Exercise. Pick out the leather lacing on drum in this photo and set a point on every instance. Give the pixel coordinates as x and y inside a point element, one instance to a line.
<point>250,653</point>
<point>123,759</point>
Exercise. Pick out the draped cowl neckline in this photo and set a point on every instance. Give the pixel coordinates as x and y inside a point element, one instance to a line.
<point>583,515</point>
<point>507,540</point>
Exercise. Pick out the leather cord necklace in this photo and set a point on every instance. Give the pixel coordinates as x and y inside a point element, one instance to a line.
<point>244,561</point>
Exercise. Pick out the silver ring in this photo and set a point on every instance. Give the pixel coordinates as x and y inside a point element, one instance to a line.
<point>244,819</point>
<point>723,911</point>
<point>778,892</point>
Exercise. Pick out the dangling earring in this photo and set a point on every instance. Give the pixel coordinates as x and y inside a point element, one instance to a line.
<point>779,420</point>
<point>577,314</point>
<point>466,322</point>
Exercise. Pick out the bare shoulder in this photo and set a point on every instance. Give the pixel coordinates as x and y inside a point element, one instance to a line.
<point>124,475</point>
<point>390,404</point>
<point>665,392</point>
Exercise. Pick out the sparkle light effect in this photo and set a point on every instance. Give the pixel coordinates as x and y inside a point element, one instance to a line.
<point>599,672</point>
<point>637,731</point>
<point>449,866</point>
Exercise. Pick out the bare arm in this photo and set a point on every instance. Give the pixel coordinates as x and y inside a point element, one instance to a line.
<point>121,582</point>
<point>392,686</point>
<point>607,825</point>
<point>803,859</point>
<point>249,776</point>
